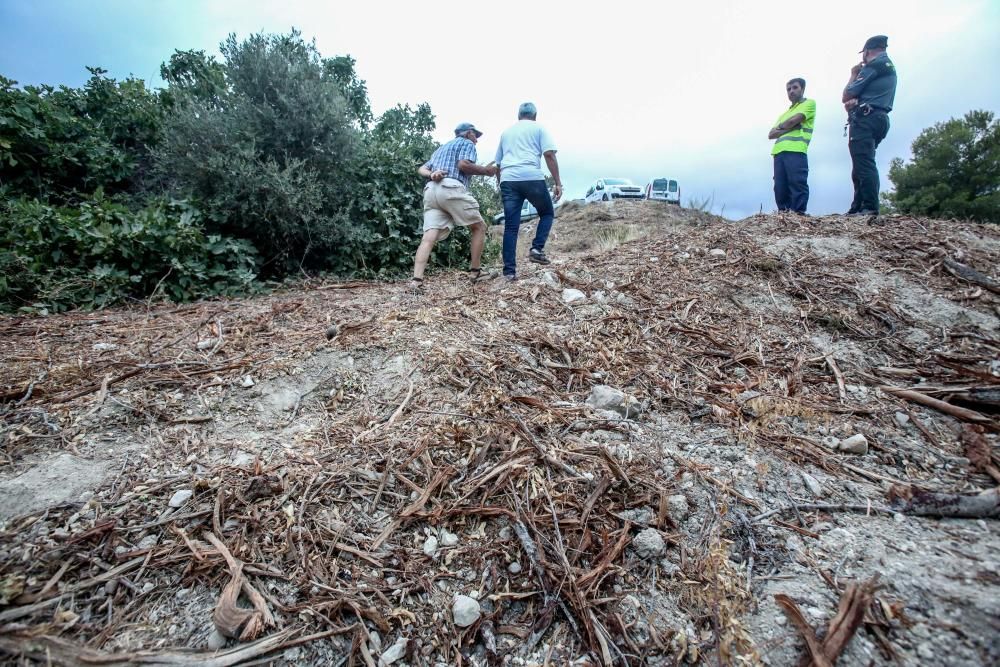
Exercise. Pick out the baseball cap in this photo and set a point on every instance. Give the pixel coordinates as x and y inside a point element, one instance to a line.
<point>876,42</point>
<point>465,127</point>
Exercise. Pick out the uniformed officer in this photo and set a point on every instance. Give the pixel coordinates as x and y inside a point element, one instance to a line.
<point>868,99</point>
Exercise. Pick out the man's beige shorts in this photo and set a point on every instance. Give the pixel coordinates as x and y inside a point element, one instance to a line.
<point>447,204</point>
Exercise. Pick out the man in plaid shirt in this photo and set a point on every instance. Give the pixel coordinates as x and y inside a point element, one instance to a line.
<point>447,201</point>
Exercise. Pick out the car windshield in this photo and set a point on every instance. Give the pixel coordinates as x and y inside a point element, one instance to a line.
<point>660,184</point>
<point>617,181</point>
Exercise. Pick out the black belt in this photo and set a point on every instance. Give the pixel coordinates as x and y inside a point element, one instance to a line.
<point>866,109</point>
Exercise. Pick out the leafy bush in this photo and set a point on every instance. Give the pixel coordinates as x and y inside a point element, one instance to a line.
<point>56,144</point>
<point>101,253</point>
<point>955,171</point>
<point>265,143</point>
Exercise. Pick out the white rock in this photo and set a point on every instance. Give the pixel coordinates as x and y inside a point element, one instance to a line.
<point>374,642</point>
<point>431,546</point>
<point>649,544</point>
<point>514,568</point>
<point>448,539</point>
<point>856,444</point>
<point>180,497</point>
<point>813,485</point>
<point>902,418</point>
<point>505,533</point>
<point>465,611</point>
<point>717,252</point>
<point>207,344</point>
<point>677,506</point>
<point>550,279</point>
<point>570,295</point>
<point>831,442</point>
<point>216,640</point>
<point>603,397</point>
<point>104,347</point>
<point>393,653</point>
<point>600,296</point>
<point>247,381</point>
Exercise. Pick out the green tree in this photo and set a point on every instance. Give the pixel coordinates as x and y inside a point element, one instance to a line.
<point>954,173</point>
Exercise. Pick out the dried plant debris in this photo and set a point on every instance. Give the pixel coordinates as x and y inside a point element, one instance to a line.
<point>738,420</point>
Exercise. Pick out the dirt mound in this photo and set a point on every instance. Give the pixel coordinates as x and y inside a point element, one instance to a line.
<point>681,435</point>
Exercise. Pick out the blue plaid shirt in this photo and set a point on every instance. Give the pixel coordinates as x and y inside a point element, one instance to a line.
<point>447,156</point>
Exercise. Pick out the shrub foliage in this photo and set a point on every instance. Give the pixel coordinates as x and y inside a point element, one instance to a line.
<point>268,161</point>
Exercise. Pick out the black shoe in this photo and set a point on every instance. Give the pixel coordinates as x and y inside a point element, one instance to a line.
<point>538,257</point>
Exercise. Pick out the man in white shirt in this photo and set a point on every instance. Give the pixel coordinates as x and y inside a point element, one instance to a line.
<point>519,159</point>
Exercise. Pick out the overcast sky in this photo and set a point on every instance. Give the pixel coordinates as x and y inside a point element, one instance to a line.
<point>627,89</point>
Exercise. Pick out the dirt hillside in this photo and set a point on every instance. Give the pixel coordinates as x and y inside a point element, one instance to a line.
<point>686,440</point>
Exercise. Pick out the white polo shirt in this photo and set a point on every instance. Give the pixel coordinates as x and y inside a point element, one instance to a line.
<point>520,152</point>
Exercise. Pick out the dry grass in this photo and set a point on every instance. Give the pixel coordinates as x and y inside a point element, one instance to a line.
<point>609,238</point>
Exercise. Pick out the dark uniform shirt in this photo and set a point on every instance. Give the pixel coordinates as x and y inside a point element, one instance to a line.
<point>875,84</point>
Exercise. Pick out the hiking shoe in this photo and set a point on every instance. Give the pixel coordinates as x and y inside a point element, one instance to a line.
<point>538,257</point>
<point>509,278</point>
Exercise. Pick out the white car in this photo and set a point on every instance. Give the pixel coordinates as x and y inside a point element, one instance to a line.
<point>606,189</point>
<point>664,189</point>
<point>528,212</point>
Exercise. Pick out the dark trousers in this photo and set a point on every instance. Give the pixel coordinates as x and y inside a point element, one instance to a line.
<point>791,181</point>
<point>867,132</point>
<point>514,193</point>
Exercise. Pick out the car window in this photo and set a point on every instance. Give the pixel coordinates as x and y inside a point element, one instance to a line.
<point>673,186</point>
<point>617,181</point>
<point>660,184</point>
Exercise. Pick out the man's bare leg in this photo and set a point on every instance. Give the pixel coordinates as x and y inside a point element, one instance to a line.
<point>478,231</point>
<point>424,252</point>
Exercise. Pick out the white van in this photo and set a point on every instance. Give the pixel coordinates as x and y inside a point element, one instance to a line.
<point>664,189</point>
<point>606,189</point>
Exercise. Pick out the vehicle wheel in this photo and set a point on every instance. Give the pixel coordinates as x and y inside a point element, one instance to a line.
<point>605,197</point>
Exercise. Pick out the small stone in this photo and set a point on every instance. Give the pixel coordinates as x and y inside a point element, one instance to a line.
<point>393,653</point>
<point>147,542</point>
<point>207,344</point>
<point>899,517</point>
<point>603,397</point>
<point>448,539</point>
<point>216,640</point>
<point>180,497</point>
<point>550,279</point>
<point>677,507</point>
<point>831,442</point>
<point>104,347</point>
<point>247,382</point>
<point>716,252</point>
<point>111,586</point>
<point>514,568</point>
<point>902,418</point>
<point>813,485</point>
<point>642,516</point>
<point>332,331</point>
<point>505,533</point>
<point>374,642</point>
<point>600,296</point>
<point>649,544</point>
<point>570,295</point>
<point>465,611</point>
<point>147,587</point>
<point>431,546</point>
<point>856,444</point>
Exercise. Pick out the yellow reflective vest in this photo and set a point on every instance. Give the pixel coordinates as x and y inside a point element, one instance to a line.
<point>796,141</point>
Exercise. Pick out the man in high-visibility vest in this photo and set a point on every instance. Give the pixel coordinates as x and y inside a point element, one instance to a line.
<point>792,134</point>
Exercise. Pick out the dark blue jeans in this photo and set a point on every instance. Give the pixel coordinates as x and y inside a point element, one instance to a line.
<point>867,132</point>
<point>791,181</point>
<point>514,193</point>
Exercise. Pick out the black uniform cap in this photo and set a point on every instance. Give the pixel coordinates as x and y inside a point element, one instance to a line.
<point>876,42</point>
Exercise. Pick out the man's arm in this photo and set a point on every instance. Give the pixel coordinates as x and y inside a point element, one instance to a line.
<point>786,126</point>
<point>473,169</point>
<point>435,175</point>
<point>553,165</point>
<point>860,76</point>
